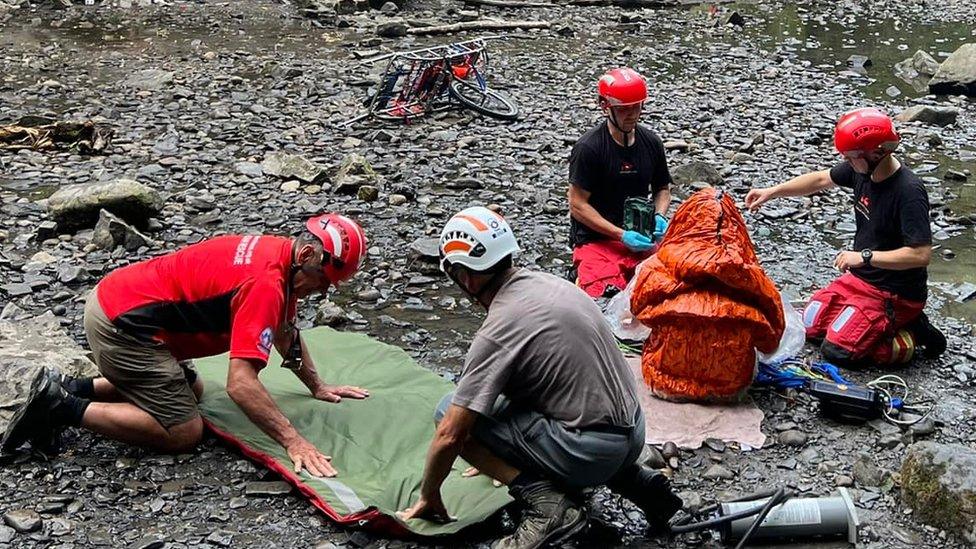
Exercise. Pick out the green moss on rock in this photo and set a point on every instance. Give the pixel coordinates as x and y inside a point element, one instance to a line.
<point>939,483</point>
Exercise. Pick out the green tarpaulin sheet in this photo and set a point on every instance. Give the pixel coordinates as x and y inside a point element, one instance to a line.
<point>378,445</point>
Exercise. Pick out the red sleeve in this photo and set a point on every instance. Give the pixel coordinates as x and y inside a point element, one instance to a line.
<point>256,313</point>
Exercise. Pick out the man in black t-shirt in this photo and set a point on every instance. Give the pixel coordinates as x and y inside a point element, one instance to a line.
<point>874,310</point>
<point>616,160</point>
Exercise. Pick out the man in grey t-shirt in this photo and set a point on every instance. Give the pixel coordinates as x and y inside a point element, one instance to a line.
<point>546,403</point>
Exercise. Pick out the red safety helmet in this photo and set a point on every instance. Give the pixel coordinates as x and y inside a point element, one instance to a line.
<point>343,242</point>
<point>621,87</point>
<point>865,130</point>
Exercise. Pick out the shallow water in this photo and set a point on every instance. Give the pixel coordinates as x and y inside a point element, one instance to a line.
<point>887,40</point>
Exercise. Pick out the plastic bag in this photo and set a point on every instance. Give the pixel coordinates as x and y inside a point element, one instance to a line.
<point>794,335</point>
<point>617,312</point>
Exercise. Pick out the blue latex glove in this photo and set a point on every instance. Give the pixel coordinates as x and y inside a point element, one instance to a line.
<point>660,226</point>
<point>636,241</point>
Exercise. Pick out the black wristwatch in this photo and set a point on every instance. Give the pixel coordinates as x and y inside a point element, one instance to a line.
<point>866,255</point>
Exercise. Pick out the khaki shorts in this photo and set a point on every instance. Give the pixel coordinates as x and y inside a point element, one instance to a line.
<point>147,375</point>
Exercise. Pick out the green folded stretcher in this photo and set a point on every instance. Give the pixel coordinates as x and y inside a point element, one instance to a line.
<point>378,445</point>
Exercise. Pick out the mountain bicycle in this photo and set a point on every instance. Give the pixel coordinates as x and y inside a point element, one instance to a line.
<point>419,82</point>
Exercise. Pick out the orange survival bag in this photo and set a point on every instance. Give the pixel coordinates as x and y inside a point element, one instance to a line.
<point>708,303</point>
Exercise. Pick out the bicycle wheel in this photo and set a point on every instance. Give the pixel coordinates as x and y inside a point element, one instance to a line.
<point>486,101</point>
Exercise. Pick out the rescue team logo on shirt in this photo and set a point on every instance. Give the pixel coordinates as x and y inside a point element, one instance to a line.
<point>863,207</point>
<point>245,249</point>
<point>265,341</point>
<point>627,168</point>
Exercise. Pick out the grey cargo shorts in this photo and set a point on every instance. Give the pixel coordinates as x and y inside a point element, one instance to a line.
<point>571,458</point>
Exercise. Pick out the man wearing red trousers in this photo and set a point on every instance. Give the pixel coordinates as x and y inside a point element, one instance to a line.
<point>873,312</point>
<point>616,160</point>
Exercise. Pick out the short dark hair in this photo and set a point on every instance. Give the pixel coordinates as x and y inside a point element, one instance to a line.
<point>503,265</point>
<point>305,238</point>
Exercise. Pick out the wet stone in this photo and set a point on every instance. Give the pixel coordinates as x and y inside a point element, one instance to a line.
<point>789,464</point>
<point>810,455</point>
<point>222,538</point>
<point>58,527</point>
<point>793,438</point>
<point>718,472</point>
<point>50,508</point>
<point>22,520</point>
<point>148,542</point>
<point>250,169</point>
<point>426,248</point>
<point>859,61</point>
<point>7,534</point>
<point>955,175</point>
<point>715,444</point>
<point>16,289</point>
<point>866,472</point>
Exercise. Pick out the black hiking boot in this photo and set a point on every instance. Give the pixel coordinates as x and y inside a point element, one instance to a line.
<point>549,517</point>
<point>32,421</point>
<point>932,341</point>
<point>650,491</point>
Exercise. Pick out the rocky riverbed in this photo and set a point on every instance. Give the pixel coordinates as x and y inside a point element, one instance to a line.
<point>205,100</point>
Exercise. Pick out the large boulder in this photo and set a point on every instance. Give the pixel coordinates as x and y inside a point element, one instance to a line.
<point>326,8</point>
<point>939,482</point>
<point>938,116</point>
<point>149,79</point>
<point>393,28</point>
<point>292,166</point>
<point>77,206</point>
<point>917,70</point>
<point>957,74</point>
<point>696,172</point>
<point>25,346</point>
<point>354,172</point>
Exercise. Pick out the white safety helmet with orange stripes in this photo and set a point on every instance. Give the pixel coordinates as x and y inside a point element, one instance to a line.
<point>476,238</point>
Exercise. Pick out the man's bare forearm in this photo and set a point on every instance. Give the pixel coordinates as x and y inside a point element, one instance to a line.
<point>587,215</point>
<point>441,455</point>
<point>662,201</point>
<point>308,374</point>
<point>803,185</point>
<point>253,399</point>
<point>904,258</point>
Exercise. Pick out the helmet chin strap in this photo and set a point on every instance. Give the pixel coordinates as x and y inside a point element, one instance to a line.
<point>873,166</point>
<point>293,358</point>
<point>613,120</point>
<point>611,116</point>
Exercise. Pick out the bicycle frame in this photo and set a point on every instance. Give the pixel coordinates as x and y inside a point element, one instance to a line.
<point>416,83</point>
